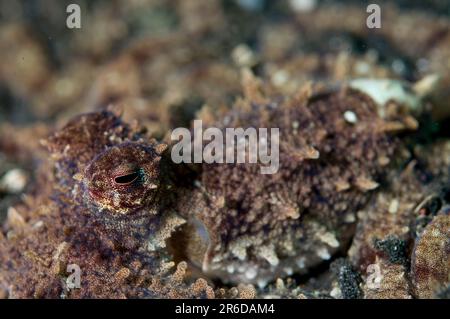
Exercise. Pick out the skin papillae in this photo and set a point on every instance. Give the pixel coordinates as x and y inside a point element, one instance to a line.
<point>105,204</point>
<point>260,227</point>
<point>124,213</point>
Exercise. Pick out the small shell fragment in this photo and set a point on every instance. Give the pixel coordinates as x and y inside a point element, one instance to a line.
<point>14,181</point>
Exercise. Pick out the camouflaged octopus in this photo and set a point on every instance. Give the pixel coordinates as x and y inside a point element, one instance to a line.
<point>259,227</point>
<point>124,212</point>
<point>104,207</point>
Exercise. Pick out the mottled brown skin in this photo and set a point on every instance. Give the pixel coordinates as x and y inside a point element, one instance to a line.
<point>96,217</point>
<point>162,69</point>
<point>262,226</point>
<point>124,213</point>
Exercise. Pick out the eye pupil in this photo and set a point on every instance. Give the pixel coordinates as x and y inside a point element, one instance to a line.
<point>126,179</point>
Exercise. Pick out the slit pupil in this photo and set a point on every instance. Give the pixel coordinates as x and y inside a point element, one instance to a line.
<point>126,179</point>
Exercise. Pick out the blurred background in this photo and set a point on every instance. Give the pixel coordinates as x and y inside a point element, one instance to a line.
<point>47,69</point>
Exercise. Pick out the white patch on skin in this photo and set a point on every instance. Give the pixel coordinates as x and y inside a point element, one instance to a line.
<point>329,239</point>
<point>311,153</point>
<point>239,248</point>
<point>350,117</point>
<point>217,259</point>
<point>366,184</point>
<point>350,218</point>
<point>38,224</point>
<point>158,240</point>
<point>268,253</point>
<point>240,252</point>
<point>323,253</point>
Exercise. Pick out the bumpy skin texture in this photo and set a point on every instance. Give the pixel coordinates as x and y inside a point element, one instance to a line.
<point>100,214</point>
<point>263,226</point>
<point>120,210</point>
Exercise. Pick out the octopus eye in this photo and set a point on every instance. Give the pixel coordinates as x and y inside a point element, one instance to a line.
<point>126,179</point>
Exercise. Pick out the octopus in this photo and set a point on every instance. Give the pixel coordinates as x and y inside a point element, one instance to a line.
<point>73,230</point>
<point>138,225</point>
